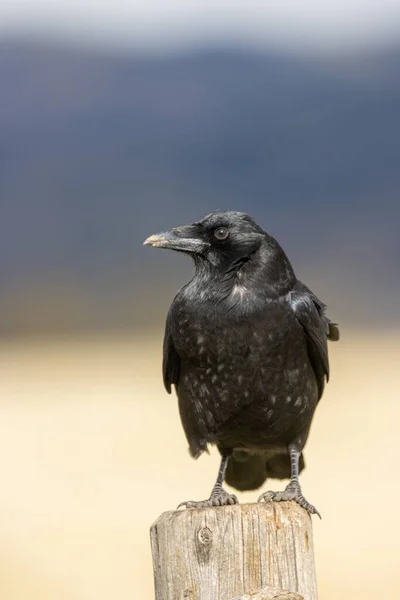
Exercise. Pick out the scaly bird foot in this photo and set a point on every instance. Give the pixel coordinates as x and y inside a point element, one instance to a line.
<point>292,492</point>
<point>218,499</point>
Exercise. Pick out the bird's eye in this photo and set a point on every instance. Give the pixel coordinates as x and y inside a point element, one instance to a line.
<point>221,233</point>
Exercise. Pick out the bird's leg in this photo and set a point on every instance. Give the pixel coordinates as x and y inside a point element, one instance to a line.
<point>293,489</point>
<point>218,497</point>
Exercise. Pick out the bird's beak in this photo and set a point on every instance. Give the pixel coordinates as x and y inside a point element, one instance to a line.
<point>183,239</point>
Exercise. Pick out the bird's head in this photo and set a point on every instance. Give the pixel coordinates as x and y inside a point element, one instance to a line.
<point>219,238</point>
<point>222,241</point>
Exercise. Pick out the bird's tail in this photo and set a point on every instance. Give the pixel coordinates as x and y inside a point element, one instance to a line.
<point>248,472</point>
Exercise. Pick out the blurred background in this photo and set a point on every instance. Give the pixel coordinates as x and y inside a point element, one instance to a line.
<point>119,119</point>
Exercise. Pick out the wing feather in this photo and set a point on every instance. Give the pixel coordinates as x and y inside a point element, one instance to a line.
<point>171,360</point>
<point>310,313</point>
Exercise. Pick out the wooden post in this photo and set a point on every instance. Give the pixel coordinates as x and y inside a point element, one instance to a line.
<point>241,552</point>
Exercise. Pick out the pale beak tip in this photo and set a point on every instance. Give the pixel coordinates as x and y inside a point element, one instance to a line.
<point>153,240</point>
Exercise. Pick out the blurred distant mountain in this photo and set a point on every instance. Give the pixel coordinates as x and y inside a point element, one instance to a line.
<point>97,151</point>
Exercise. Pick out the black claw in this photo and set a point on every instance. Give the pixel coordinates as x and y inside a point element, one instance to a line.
<point>185,504</point>
<point>307,506</point>
<point>290,493</point>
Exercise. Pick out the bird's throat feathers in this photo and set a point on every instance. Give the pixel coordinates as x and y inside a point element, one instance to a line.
<point>264,272</point>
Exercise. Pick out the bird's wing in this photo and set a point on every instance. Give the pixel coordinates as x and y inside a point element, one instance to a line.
<point>310,313</point>
<point>171,360</point>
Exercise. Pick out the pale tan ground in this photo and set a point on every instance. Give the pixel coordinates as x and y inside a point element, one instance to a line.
<point>91,452</point>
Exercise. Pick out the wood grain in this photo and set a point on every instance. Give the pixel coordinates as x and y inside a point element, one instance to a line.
<point>270,594</point>
<point>234,552</point>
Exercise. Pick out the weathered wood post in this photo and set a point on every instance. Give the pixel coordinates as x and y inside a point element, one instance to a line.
<point>240,552</point>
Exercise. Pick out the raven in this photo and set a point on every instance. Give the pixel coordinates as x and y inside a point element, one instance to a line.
<point>246,347</point>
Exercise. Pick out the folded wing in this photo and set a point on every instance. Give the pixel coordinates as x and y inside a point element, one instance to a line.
<point>171,360</point>
<point>310,313</point>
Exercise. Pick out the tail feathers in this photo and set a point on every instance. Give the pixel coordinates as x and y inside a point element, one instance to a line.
<point>333,332</point>
<point>246,474</point>
<point>278,467</point>
<point>249,472</point>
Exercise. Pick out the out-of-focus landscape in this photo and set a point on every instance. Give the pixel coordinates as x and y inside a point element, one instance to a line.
<point>105,139</point>
<point>92,452</point>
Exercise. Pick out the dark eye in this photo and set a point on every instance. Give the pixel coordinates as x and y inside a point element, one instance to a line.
<point>221,233</point>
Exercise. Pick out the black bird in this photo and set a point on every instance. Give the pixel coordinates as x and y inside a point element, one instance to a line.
<point>246,348</point>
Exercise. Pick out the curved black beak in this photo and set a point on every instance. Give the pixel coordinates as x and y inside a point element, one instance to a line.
<point>183,239</point>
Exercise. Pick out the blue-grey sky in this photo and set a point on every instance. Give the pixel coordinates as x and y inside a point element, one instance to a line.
<point>159,24</point>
